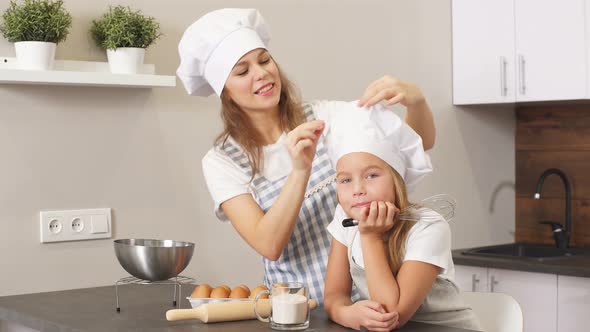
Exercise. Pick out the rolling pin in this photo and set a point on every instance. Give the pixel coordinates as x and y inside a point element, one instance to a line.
<point>226,311</point>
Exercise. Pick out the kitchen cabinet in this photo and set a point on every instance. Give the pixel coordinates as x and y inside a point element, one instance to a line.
<point>471,278</point>
<point>535,292</point>
<point>508,51</point>
<point>483,51</point>
<point>573,303</point>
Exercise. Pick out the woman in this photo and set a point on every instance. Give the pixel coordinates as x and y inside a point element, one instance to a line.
<point>269,172</point>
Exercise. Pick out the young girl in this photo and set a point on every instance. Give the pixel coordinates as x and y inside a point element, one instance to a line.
<point>402,269</point>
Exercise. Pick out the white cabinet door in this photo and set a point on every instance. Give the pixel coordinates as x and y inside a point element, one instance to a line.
<point>573,304</point>
<point>550,49</point>
<point>535,292</point>
<point>471,278</point>
<point>483,51</point>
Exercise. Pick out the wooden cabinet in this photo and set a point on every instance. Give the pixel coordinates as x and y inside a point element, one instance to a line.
<point>535,292</point>
<point>518,50</point>
<point>573,304</point>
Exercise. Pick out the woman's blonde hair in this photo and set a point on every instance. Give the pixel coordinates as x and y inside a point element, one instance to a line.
<point>238,125</point>
<point>396,236</point>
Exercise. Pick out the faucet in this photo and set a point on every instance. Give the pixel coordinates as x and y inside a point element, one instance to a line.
<point>560,234</point>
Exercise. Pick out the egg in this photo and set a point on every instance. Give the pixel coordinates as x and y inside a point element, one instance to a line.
<point>220,292</point>
<point>245,287</point>
<point>201,291</point>
<point>226,288</point>
<point>239,292</point>
<point>258,289</point>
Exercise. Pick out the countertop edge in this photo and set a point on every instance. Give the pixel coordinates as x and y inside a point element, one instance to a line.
<point>573,267</point>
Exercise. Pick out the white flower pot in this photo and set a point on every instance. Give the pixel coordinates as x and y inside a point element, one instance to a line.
<point>35,55</point>
<point>126,60</point>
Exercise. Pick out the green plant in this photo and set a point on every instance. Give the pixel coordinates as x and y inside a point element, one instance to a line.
<point>36,20</point>
<point>122,27</point>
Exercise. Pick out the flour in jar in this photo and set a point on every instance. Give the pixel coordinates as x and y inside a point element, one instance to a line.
<point>289,308</point>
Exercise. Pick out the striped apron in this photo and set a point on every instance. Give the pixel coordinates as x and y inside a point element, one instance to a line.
<point>305,257</point>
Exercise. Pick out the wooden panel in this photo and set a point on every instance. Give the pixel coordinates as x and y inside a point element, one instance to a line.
<point>552,136</point>
<point>529,212</point>
<point>553,128</point>
<point>531,164</point>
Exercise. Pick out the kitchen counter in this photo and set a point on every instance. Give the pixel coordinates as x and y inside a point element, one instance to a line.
<point>576,266</point>
<point>143,308</point>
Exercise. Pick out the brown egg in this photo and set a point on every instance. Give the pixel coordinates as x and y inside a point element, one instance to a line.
<point>201,291</point>
<point>220,293</point>
<point>226,288</point>
<point>245,287</point>
<point>258,289</point>
<point>239,293</point>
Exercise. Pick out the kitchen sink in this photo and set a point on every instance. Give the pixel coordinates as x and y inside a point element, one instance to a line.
<point>525,250</point>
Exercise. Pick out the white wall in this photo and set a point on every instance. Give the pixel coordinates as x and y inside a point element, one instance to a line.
<point>138,151</point>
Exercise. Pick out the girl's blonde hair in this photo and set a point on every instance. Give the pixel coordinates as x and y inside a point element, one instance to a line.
<point>238,125</point>
<point>396,236</point>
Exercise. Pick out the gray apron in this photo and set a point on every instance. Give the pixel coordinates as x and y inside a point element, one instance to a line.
<point>442,305</point>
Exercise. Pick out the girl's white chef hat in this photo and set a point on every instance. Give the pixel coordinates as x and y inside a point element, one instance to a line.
<point>379,131</point>
<point>211,46</point>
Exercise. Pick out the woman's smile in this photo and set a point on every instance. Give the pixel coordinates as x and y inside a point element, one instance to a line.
<point>265,90</point>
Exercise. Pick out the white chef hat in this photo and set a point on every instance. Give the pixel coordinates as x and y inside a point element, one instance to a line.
<point>379,131</point>
<point>211,46</point>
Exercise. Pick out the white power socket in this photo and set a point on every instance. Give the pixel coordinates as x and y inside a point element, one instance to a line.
<point>75,225</point>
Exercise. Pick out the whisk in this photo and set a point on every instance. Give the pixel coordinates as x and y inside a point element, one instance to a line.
<point>443,204</point>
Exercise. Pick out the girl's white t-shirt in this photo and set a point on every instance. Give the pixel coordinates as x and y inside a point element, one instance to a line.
<point>428,242</point>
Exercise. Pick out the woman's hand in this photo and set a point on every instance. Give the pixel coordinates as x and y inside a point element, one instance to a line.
<point>377,219</point>
<point>392,91</point>
<point>372,316</point>
<point>302,142</point>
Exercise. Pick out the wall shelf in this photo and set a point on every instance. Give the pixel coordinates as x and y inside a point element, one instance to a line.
<point>82,73</point>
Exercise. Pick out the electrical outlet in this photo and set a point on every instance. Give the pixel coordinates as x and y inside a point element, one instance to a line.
<point>75,225</point>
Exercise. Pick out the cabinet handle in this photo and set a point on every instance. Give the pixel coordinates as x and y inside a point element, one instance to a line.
<point>493,282</point>
<point>474,280</point>
<point>521,67</point>
<point>503,86</point>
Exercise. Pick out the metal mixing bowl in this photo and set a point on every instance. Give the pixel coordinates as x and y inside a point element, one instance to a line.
<point>153,260</point>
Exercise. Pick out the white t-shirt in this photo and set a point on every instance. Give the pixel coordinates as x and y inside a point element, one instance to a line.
<point>428,242</point>
<point>226,180</point>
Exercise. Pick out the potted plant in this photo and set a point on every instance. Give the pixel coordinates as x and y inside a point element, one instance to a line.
<point>125,34</point>
<point>35,27</point>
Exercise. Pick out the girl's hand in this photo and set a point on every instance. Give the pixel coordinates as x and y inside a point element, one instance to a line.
<point>302,142</point>
<point>372,316</point>
<point>377,219</point>
<point>393,91</point>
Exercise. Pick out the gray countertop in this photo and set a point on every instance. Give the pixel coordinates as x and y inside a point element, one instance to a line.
<point>576,266</point>
<point>143,308</point>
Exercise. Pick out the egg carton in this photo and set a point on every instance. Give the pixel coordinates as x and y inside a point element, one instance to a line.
<point>196,301</point>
